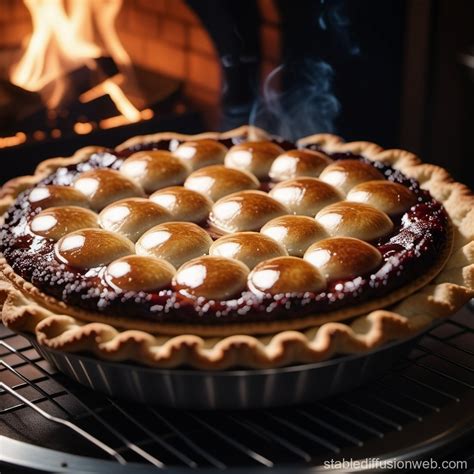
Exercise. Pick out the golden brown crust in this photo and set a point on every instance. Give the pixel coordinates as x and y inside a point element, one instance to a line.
<point>92,247</point>
<point>250,248</point>
<point>280,275</point>
<point>137,273</point>
<point>305,196</point>
<point>218,278</point>
<point>295,233</point>
<point>300,162</point>
<point>217,181</point>
<point>12,188</point>
<point>176,242</point>
<point>59,307</point>
<point>391,198</point>
<point>253,209</point>
<point>201,153</point>
<point>341,257</point>
<point>56,222</point>
<point>354,219</point>
<point>61,327</point>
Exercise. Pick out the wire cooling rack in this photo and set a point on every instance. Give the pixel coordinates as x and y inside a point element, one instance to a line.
<point>423,407</point>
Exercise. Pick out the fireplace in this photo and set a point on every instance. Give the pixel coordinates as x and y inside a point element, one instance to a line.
<point>176,50</point>
<point>76,73</point>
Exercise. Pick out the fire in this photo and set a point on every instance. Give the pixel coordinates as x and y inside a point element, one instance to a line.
<point>116,93</point>
<point>67,35</point>
<point>14,140</point>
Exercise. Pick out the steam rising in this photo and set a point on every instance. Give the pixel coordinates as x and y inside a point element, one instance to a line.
<point>297,97</point>
<point>334,18</point>
<point>308,106</point>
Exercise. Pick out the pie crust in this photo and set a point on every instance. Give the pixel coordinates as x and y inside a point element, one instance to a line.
<point>442,290</point>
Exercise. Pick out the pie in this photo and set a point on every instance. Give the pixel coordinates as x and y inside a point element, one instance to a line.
<point>233,250</point>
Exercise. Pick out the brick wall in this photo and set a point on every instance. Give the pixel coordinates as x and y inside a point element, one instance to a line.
<point>15,27</point>
<point>161,35</point>
<point>176,43</point>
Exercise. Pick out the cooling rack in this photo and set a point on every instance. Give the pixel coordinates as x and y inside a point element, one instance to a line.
<point>421,408</point>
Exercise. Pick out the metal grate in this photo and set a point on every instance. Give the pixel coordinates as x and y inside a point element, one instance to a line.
<point>428,395</point>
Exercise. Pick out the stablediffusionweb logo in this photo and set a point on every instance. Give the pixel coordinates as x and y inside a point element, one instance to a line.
<point>348,465</point>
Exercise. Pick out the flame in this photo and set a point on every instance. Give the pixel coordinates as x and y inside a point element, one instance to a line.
<point>69,34</point>
<point>119,120</point>
<point>119,98</point>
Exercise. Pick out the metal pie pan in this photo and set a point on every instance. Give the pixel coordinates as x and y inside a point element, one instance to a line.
<point>230,389</point>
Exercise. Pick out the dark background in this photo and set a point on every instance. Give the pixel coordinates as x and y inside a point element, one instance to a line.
<point>402,74</point>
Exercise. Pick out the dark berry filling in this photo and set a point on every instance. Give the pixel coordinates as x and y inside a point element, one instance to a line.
<point>418,237</point>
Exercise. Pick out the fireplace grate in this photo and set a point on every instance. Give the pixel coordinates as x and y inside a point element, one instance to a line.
<point>421,408</point>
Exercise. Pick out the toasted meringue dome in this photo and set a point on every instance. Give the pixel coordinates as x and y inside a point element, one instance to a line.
<point>386,196</point>
<point>183,204</point>
<point>345,174</point>
<point>256,157</point>
<point>285,275</point>
<point>104,186</point>
<point>214,278</point>
<point>154,169</point>
<point>176,242</point>
<point>218,181</point>
<point>296,163</point>
<point>245,210</point>
<point>200,153</point>
<point>132,217</point>
<point>139,273</point>
<point>295,233</point>
<point>354,219</point>
<point>305,196</point>
<point>90,248</point>
<point>343,257</point>
<point>248,247</point>
<point>53,195</point>
<point>55,222</point>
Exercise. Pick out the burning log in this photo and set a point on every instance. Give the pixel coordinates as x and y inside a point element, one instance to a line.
<point>69,86</point>
<point>75,78</point>
<point>16,104</point>
<point>72,50</point>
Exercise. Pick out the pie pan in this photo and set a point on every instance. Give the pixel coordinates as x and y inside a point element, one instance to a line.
<point>230,389</point>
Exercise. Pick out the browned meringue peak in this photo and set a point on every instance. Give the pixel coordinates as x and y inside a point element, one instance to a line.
<point>176,242</point>
<point>90,248</point>
<point>199,153</point>
<point>132,217</point>
<point>386,196</point>
<point>55,222</point>
<point>295,233</point>
<point>256,157</point>
<point>183,204</point>
<point>295,163</point>
<point>305,196</point>
<point>218,181</point>
<point>248,247</point>
<point>155,169</point>
<point>104,186</point>
<point>354,219</point>
<point>214,278</point>
<point>285,275</point>
<point>345,174</point>
<point>139,273</point>
<point>244,210</point>
<point>53,195</point>
<point>343,257</point>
